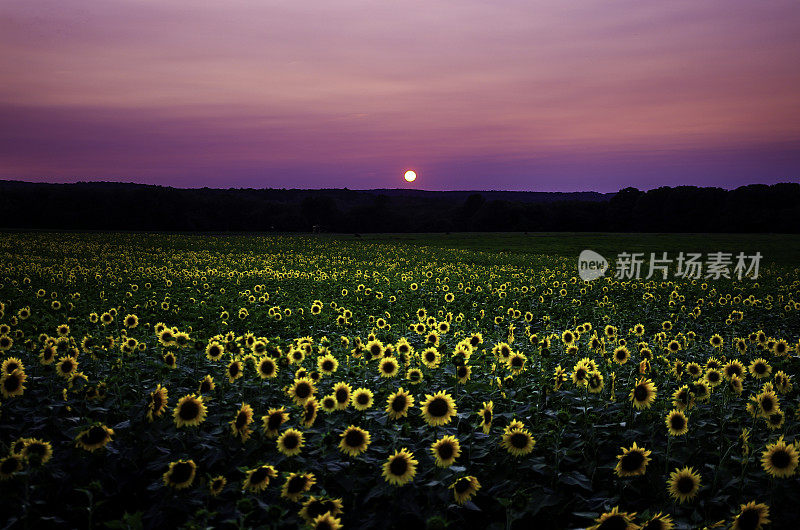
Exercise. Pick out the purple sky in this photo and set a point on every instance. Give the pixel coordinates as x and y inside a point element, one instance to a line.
<point>515,95</point>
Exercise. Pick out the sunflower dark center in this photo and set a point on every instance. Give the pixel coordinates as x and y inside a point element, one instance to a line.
<point>615,522</point>
<point>11,383</point>
<point>516,362</point>
<point>296,484</point>
<point>767,404</point>
<point>354,438</point>
<point>9,465</point>
<point>780,459</point>
<point>241,420</point>
<point>399,466</point>
<point>66,366</point>
<point>258,476</point>
<point>749,519</point>
<point>291,441</point>
<point>362,399</point>
<point>205,386</point>
<point>760,368</point>
<point>399,403</point>
<point>677,422</point>
<point>95,435</point>
<point>181,472</point>
<point>267,367</point>
<point>233,369</point>
<point>189,410</point>
<point>487,416</point>
<point>462,485</point>
<point>446,451</point>
<point>580,374</point>
<point>632,461</point>
<point>327,365</point>
<point>438,407</point>
<point>685,485</point>
<point>302,390</point>
<point>274,421</point>
<point>641,393</point>
<point>519,440</point>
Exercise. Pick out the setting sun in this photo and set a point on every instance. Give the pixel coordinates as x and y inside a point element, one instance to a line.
<point>410,176</point>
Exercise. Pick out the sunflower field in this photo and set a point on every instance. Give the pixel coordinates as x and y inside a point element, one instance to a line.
<point>158,380</point>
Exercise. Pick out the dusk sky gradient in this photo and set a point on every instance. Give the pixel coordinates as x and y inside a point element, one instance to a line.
<point>513,95</point>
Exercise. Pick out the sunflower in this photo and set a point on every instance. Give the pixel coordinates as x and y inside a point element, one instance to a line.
<point>694,370</point>
<point>11,364</point>
<point>615,519</point>
<point>13,384</point>
<point>775,420</point>
<point>465,488</point>
<point>66,366</point>
<point>47,355</point>
<point>310,410</point>
<point>326,521</point>
<point>463,373</point>
<point>400,468</point>
<point>414,376</point>
<point>487,415</point>
<point>206,385</point>
<point>258,479</point>
<point>701,390</point>
<point>375,349</point>
<point>517,440</point>
<point>633,461</point>
<point>398,403</point>
<point>291,442</point>
<point>751,516</point>
<point>273,420</point>
<point>438,409</point>
<point>190,411</point>
<point>580,375</point>
<point>767,402</point>
<point>301,390</point>
<point>296,484</point>
<point>158,402</point>
<point>94,437</point>
<point>317,506</point>
<point>342,392</point>
<point>595,382</point>
<point>327,364</point>
<point>713,377</point>
<point>643,394</point>
<point>733,368</point>
<point>267,368</point>
<point>328,404</point>
<point>621,355</point>
<point>216,485</point>
<point>677,423</point>
<point>759,368</point>
<point>37,451</point>
<point>240,425</point>
<point>431,358</point>
<point>180,474</point>
<point>214,351</point>
<point>355,441</point>
<point>234,370</point>
<point>445,450</point>
<point>362,399</point>
<point>10,465</point>
<point>780,459</point>
<point>683,484</point>
<point>658,522</point>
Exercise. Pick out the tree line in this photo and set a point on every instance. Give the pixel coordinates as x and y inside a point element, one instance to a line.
<point>118,206</point>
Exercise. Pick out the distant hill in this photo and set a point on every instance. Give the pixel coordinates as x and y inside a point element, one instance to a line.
<point>123,206</point>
